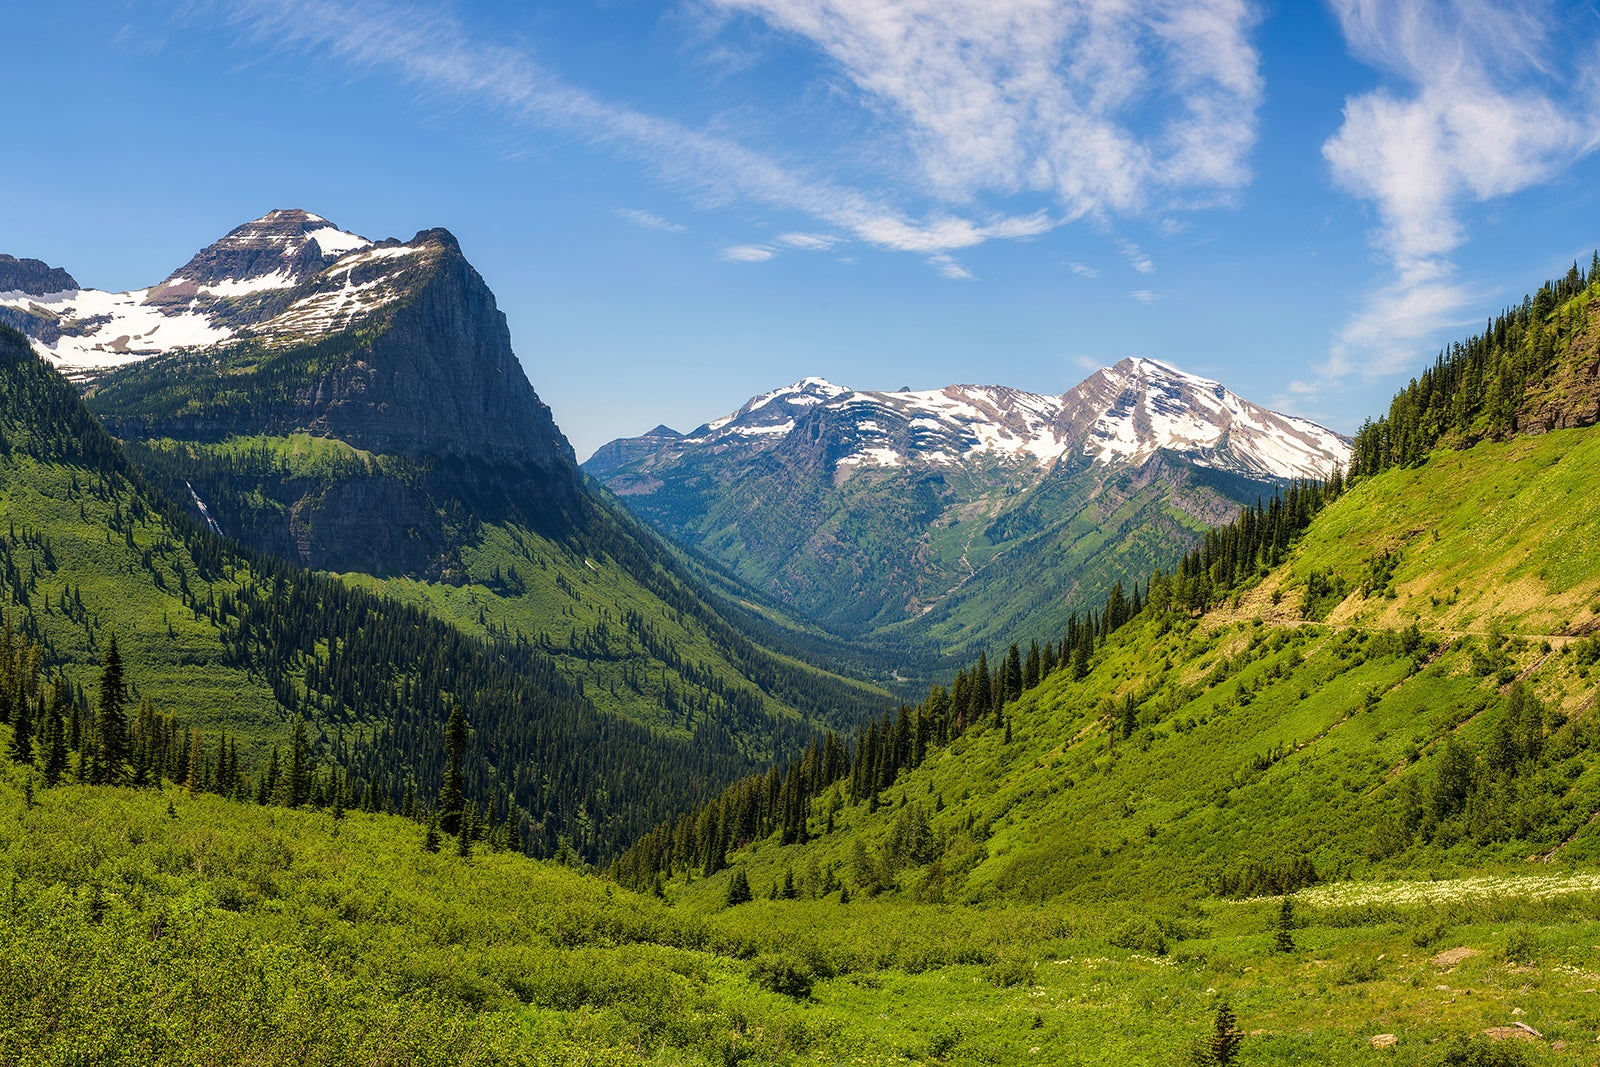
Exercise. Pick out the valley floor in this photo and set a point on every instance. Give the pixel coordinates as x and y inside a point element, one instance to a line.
<point>155,927</point>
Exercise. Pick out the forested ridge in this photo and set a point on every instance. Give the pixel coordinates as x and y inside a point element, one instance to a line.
<point>373,679</point>
<point>1535,366</point>
<point>783,800</point>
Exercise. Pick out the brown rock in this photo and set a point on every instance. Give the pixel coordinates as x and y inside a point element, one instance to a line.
<point>1384,1040</point>
<point>1451,957</point>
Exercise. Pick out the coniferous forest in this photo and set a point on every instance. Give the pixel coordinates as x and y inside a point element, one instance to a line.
<point>1287,800</point>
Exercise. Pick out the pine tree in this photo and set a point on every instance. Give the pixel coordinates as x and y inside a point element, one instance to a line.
<point>22,732</point>
<point>295,789</point>
<point>1222,1046</point>
<point>430,840</point>
<point>1283,938</point>
<point>111,763</point>
<point>450,795</point>
<point>54,743</point>
<point>1013,675</point>
<point>738,888</point>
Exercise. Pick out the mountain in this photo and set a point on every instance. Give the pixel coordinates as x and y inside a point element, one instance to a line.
<point>1386,679</point>
<point>356,407</point>
<point>234,642</point>
<point>1018,506</point>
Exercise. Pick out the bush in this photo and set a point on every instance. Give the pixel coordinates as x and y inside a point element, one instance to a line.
<point>784,975</point>
<point>1480,1052</point>
<point>1141,935</point>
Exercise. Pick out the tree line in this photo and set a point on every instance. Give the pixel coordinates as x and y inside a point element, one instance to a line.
<point>783,800</point>
<point>1476,388</point>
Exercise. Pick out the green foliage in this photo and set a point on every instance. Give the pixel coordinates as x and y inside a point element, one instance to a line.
<point>1489,386</point>
<point>1283,931</point>
<point>1478,1051</point>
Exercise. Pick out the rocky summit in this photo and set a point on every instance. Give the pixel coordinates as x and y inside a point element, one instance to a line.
<point>946,511</point>
<point>391,357</point>
<point>1129,411</point>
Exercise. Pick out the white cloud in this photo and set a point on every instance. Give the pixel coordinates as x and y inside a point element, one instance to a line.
<point>1049,96</point>
<point>1486,111</point>
<point>648,221</point>
<point>947,267</point>
<point>747,254</point>
<point>1083,270</point>
<point>1145,296</point>
<point>1087,363</point>
<point>433,53</point>
<point>1136,257</point>
<point>808,242</point>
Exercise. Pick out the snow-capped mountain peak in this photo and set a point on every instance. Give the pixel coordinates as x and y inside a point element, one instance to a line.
<point>1125,413</point>
<point>283,277</point>
<point>1141,406</point>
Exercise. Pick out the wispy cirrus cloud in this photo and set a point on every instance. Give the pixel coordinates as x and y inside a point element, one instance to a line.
<point>1489,99</point>
<point>1049,96</point>
<point>645,220</point>
<point>433,52</point>
<point>747,254</point>
<point>808,242</point>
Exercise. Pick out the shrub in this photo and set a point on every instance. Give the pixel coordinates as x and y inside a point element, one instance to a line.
<point>784,975</point>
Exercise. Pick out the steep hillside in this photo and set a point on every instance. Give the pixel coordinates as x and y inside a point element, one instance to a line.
<point>960,515</point>
<point>230,640</point>
<point>1411,692</point>
<point>147,927</point>
<point>356,407</point>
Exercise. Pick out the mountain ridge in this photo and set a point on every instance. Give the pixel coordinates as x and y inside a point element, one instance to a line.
<point>943,517</point>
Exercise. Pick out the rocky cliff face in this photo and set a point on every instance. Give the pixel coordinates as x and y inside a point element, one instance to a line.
<point>396,349</point>
<point>32,277</point>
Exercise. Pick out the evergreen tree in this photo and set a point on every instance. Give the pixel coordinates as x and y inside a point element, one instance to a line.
<point>54,743</point>
<point>1221,1047</point>
<point>430,840</point>
<point>450,795</point>
<point>22,732</point>
<point>738,888</point>
<point>1283,937</point>
<point>111,763</point>
<point>295,789</point>
<point>1013,675</point>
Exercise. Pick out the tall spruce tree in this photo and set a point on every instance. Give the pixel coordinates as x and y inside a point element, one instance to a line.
<point>22,731</point>
<point>111,764</point>
<point>450,795</point>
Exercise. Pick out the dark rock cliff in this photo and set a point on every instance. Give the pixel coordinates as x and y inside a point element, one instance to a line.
<point>427,382</point>
<point>32,276</point>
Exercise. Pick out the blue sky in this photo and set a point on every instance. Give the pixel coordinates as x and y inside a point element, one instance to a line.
<point>681,204</point>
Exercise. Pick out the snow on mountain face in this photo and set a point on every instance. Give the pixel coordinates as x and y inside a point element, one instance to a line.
<point>1142,405</point>
<point>279,278</point>
<point>1126,412</point>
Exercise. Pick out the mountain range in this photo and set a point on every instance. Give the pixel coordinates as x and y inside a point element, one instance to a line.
<point>957,514</point>
<point>1323,790</point>
<point>354,407</point>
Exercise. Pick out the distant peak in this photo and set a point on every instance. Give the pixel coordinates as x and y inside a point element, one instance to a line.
<point>273,251</point>
<point>439,236</point>
<point>817,384</point>
<point>34,277</point>
<point>662,430</point>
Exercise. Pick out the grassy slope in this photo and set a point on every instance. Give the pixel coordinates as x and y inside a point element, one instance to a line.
<point>228,933</point>
<point>127,582</point>
<point>1258,740</point>
<point>572,602</point>
<point>1261,735</point>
